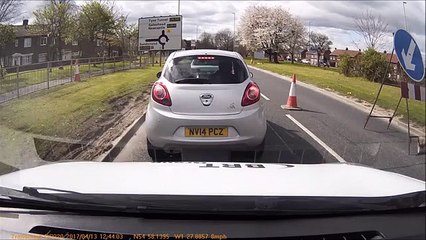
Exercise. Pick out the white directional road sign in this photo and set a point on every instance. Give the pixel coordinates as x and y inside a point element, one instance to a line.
<point>160,33</point>
<point>409,55</point>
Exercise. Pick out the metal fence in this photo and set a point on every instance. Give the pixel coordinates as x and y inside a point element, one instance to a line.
<point>17,81</point>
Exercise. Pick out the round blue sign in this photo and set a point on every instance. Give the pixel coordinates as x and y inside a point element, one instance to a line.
<point>409,55</point>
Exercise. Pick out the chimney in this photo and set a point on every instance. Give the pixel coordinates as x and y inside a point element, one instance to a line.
<point>25,22</point>
<point>346,49</point>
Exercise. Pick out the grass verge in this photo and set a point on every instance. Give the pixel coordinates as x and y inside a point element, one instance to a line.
<point>356,87</point>
<point>27,78</point>
<point>63,111</point>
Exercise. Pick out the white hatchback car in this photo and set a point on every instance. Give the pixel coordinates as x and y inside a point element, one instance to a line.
<point>305,61</point>
<point>205,98</point>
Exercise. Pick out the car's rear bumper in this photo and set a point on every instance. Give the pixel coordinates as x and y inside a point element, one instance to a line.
<point>165,129</point>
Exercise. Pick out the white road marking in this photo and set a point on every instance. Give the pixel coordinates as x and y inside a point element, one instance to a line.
<point>331,151</point>
<point>265,97</point>
<point>282,140</point>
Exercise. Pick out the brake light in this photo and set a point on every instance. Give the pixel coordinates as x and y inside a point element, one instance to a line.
<point>251,94</point>
<point>205,58</point>
<point>160,94</point>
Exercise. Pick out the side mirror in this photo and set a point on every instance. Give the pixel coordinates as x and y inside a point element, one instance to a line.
<point>158,74</point>
<point>251,74</point>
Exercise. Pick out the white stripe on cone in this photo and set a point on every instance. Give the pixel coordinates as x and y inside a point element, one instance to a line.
<point>292,90</point>
<point>292,98</point>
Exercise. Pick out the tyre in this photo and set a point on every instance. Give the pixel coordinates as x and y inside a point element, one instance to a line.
<point>159,155</point>
<point>151,149</point>
<point>260,149</point>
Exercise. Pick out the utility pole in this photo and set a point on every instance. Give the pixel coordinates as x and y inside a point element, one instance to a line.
<point>309,35</point>
<point>233,42</point>
<point>405,17</point>
<point>178,7</point>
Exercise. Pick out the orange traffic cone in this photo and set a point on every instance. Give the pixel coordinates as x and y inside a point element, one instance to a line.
<point>77,71</point>
<point>292,98</point>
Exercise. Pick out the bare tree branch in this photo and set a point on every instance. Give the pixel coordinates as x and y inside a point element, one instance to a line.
<point>9,9</point>
<point>372,29</point>
<point>320,43</point>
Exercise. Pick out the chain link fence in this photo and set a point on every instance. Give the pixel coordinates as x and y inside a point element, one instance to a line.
<point>21,80</point>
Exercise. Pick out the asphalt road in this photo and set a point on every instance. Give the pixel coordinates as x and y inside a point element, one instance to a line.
<point>326,131</point>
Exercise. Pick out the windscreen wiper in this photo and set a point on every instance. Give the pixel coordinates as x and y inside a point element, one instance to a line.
<point>197,205</point>
<point>31,198</point>
<point>64,195</point>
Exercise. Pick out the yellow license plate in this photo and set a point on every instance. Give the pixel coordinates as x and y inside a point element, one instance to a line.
<point>206,132</point>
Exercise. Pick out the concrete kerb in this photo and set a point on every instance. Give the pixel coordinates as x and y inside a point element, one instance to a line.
<point>349,101</point>
<point>121,141</point>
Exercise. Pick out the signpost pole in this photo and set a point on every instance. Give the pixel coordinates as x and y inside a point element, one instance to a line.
<point>393,115</point>
<point>161,53</point>
<point>152,58</point>
<point>378,93</point>
<point>408,127</point>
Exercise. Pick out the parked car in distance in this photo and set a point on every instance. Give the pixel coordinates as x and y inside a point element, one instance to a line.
<point>305,61</point>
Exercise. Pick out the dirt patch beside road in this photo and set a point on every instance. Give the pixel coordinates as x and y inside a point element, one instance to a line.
<point>97,133</point>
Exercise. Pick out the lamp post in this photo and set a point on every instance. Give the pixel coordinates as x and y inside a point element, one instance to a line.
<point>405,17</point>
<point>233,39</point>
<point>178,7</point>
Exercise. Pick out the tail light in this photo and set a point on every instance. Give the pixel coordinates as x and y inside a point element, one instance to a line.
<point>251,94</point>
<point>160,94</point>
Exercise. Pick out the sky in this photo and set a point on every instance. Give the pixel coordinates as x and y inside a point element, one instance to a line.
<point>333,18</point>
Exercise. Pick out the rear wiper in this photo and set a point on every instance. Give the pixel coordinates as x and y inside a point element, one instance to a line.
<point>189,80</point>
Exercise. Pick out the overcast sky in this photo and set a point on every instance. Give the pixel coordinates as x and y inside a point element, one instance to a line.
<point>333,18</point>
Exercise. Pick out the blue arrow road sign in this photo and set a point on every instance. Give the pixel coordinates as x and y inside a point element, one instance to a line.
<point>409,55</point>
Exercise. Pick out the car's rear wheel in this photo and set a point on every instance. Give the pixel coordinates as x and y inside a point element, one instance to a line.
<point>151,149</point>
<point>159,155</point>
<point>260,149</point>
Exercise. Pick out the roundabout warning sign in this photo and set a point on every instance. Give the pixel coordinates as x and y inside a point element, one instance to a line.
<point>160,33</point>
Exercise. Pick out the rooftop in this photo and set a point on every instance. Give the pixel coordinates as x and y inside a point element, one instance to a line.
<point>340,52</point>
<point>25,31</point>
<point>392,57</point>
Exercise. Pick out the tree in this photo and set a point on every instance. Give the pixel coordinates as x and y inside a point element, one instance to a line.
<point>224,40</point>
<point>9,9</point>
<point>372,28</point>
<point>320,43</point>
<point>7,35</point>
<point>126,35</point>
<point>297,41</point>
<point>346,65</point>
<point>56,20</point>
<point>206,41</point>
<point>97,21</point>
<point>373,65</point>
<point>265,28</point>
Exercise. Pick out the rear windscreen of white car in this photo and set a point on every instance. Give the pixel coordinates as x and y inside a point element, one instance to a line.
<point>206,70</point>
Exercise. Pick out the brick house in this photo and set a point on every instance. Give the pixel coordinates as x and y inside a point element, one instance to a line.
<point>31,47</point>
<point>337,53</point>
<point>312,57</point>
<point>394,69</point>
<point>300,54</point>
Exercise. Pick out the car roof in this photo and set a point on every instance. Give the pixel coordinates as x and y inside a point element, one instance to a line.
<point>206,52</point>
